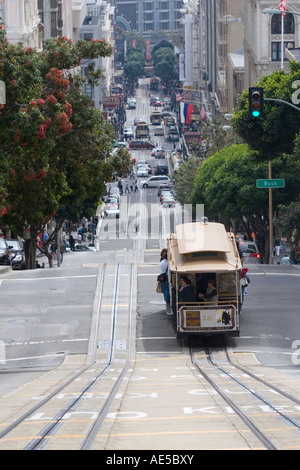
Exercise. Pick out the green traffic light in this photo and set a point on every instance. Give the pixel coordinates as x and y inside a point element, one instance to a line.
<point>255,113</point>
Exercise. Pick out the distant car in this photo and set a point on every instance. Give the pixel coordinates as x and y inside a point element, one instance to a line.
<point>136,120</point>
<point>161,187</point>
<point>155,181</point>
<point>165,194</point>
<point>144,163</point>
<point>128,133</point>
<point>153,100</point>
<point>112,201</point>
<point>158,152</point>
<point>5,253</point>
<point>173,137</point>
<point>80,247</point>
<point>165,114</point>
<point>167,106</point>
<point>112,210</point>
<point>120,144</point>
<point>132,104</point>
<point>161,170</point>
<point>157,103</point>
<point>17,254</point>
<point>142,170</point>
<point>114,192</point>
<point>158,130</point>
<point>249,251</point>
<point>168,202</point>
<point>171,122</point>
<point>141,144</point>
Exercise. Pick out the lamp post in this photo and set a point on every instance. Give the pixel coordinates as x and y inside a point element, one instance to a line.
<point>275,11</point>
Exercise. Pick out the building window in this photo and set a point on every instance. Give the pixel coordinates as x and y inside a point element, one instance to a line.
<point>87,36</point>
<point>276,50</point>
<point>288,24</point>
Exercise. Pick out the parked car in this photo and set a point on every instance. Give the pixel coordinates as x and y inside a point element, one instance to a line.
<point>79,247</point>
<point>128,133</point>
<point>161,170</point>
<point>113,201</point>
<point>142,170</point>
<point>158,130</point>
<point>120,144</point>
<point>111,210</point>
<point>155,181</point>
<point>141,144</point>
<point>5,252</point>
<point>17,254</point>
<point>249,251</point>
<point>114,192</point>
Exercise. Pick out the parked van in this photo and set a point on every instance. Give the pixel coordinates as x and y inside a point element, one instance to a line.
<point>155,181</point>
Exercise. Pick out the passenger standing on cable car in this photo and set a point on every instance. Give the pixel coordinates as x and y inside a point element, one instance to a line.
<point>163,266</point>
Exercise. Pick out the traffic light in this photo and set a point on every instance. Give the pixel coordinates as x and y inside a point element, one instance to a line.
<point>256,101</point>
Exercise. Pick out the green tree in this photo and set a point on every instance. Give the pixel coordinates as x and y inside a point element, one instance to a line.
<point>274,133</point>
<point>164,61</point>
<point>38,128</point>
<point>226,185</point>
<point>184,179</point>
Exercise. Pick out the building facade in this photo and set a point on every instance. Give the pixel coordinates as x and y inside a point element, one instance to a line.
<point>149,18</point>
<point>61,18</point>
<point>262,37</point>
<point>99,24</point>
<point>21,22</point>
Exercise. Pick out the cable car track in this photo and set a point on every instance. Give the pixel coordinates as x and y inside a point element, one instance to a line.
<point>274,410</point>
<point>101,363</point>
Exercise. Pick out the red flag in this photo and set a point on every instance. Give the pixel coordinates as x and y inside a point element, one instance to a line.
<point>282,7</point>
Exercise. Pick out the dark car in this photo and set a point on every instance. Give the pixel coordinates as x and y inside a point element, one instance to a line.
<point>5,253</point>
<point>141,144</point>
<point>17,254</point>
<point>161,170</point>
<point>162,187</point>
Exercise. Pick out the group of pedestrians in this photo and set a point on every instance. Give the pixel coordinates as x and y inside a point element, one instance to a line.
<point>133,187</point>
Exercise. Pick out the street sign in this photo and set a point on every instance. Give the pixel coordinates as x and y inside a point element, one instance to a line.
<point>270,183</point>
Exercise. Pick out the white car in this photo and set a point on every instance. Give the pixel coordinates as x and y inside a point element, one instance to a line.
<point>168,202</point>
<point>128,133</point>
<point>142,170</point>
<point>112,210</point>
<point>158,131</point>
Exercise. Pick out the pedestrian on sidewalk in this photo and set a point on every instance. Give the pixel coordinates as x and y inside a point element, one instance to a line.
<point>277,246</point>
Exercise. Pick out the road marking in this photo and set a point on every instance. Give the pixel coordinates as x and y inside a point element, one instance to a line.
<point>50,278</point>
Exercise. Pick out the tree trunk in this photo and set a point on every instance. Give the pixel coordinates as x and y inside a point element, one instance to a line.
<point>30,252</point>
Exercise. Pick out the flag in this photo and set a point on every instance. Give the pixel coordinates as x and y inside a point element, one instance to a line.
<point>282,7</point>
<point>186,111</point>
